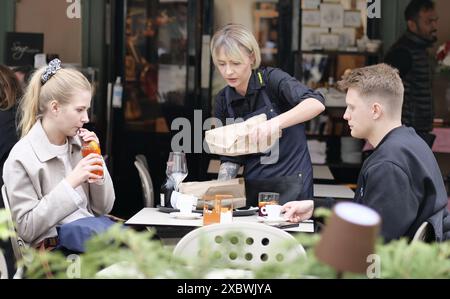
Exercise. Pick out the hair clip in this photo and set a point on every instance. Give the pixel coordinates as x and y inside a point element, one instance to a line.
<point>51,69</point>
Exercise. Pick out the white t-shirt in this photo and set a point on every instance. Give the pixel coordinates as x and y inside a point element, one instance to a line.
<point>78,195</point>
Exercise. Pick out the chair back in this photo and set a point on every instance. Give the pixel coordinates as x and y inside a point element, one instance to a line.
<point>423,233</point>
<point>240,245</point>
<point>3,267</point>
<point>143,159</point>
<point>16,242</point>
<point>147,184</point>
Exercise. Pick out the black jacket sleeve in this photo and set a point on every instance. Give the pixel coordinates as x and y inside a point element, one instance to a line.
<point>327,202</point>
<point>387,191</point>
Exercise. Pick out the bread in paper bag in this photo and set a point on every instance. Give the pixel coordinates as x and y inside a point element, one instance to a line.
<point>234,139</point>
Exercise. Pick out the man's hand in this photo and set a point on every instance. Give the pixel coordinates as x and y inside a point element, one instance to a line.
<point>297,211</point>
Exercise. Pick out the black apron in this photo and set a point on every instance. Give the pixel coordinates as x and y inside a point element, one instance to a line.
<point>293,167</point>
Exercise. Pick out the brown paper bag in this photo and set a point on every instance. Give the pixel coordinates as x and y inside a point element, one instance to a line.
<point>233,140</point>
<point>235,188</point>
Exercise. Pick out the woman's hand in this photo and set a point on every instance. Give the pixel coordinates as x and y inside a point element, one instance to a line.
<point>87,136</point>
<point>261,133</point>
<point>296,211</point>
<point>83,171</point>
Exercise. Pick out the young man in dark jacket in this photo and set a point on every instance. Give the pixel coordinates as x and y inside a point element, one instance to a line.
<point>410,56</point>
<point>401,180</point>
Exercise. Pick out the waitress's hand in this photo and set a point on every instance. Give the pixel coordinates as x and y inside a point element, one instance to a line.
<point>228,171</point>
<point>87,136</point>
<point>260,133</point>
<point>296,211</point>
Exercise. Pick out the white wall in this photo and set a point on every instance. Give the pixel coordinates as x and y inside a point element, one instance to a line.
<point>61,34</point>
<point>235,11</point>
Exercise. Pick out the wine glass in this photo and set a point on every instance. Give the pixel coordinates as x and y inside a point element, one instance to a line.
<point>176,168</point>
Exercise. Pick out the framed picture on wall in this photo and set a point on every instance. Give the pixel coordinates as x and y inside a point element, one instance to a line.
<point>346,36</point>
<point>311,4</point>
<point>311,17</point>
<point>21,47</point>
<point>331,15</point>
<point>329,41</point>
<point>311,37</point>
<point>352,18</point>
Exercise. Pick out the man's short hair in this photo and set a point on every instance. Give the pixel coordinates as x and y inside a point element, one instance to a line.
<point>415,6</point>
<point>381,82</point>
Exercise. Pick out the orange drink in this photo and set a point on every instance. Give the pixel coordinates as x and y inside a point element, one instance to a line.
<point>89,148</point>
<point>213,207</point>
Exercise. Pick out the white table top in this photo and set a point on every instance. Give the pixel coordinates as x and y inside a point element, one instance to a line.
<point>322,172</point>
<point>335,191</point>
<point>153,217</point>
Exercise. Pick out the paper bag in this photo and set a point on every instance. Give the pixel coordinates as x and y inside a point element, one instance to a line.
<point>201,190</point>
<point>233,140</point>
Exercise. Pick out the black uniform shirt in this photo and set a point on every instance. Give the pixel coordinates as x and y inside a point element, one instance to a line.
<point>283,90</point>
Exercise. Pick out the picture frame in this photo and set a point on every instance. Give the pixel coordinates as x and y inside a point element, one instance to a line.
<point>352,18</point>
<point>329,41</point>
<point>347,37</point>
<point>311,17</point>
<point>21,47</point>
<point>331,15</point>
<point>310,4</point>
<point>311,37</point>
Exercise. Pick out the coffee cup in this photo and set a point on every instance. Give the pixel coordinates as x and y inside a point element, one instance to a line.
<point>273,211</point>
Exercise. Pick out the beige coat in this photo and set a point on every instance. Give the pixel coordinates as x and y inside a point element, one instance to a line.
<point>33,177</point>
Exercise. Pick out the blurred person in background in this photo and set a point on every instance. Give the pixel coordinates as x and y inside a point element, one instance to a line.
<point>410,56</point>
<point>10,93</point>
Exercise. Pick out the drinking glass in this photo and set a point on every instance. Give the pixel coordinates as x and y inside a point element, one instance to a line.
<point>217,209</point>
<point>176,168</point>
<point>92,147</point>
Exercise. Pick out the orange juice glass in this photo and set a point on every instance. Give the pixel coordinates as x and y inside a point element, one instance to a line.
<point>213,207</point>
<point>89,148</point>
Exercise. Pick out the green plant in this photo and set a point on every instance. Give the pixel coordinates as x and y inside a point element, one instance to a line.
<point>138,255</point>
<point>4,229</point>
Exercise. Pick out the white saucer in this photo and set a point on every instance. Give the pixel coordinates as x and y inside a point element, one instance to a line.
<point>271,220</point>
<point>189,216</point>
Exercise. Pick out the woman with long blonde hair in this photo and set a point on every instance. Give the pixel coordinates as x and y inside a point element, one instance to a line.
<point>47,180</point>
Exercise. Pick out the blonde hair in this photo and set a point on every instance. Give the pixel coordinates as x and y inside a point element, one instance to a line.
<point>61,87</point>
<point>10,90</point>
<point>381,81</point>
<point>232,38</point>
